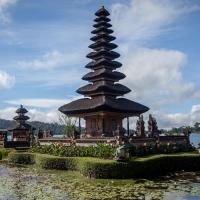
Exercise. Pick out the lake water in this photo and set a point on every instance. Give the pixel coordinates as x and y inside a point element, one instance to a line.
<point>19,183</point>
<point>195,139</point>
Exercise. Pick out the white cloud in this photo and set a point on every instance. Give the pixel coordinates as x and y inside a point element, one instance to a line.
<point>7,113</point>
<point>50,60</point>
<point>53,78</point>
<point>143,20</point>
<point>41,103</point>
<point>179,119</point>
<point>170,120</point>
<point>165,120</point>
<point>44,110</point>
<point>6,80</point>
<point>4,6</point>
<point>155,74</point>
<point>50,116</point>
<point>52,69</point>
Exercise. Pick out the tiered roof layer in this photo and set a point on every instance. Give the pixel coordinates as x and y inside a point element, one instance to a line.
<point>21,119</point>
<point>103,90</point>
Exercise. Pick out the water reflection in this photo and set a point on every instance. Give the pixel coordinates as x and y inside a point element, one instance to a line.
<point>30,184</point>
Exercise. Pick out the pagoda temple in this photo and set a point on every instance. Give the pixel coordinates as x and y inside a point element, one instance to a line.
<point>103,107</point>
<point>21,133</point>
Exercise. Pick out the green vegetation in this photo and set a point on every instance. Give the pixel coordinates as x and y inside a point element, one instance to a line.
<point>31,182</point>
<point>54,162</point>
<point>99,151</point>
<point>177,131</point>
<point>142,168</point>
<point>21,158</point>
<point>65,182</point>
<point>54,127</point>
<point>160,149</point>
<point>69,125</point>
<point>4,152</point>
<point>150,166</point>
<point>108,151</point>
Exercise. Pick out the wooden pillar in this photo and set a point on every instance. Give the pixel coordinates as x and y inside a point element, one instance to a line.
<point>79,125</point>
<point>103,125</point>
<point>128,132</point>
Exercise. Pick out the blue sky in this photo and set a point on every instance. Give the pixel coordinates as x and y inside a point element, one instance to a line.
<point>43,45</point>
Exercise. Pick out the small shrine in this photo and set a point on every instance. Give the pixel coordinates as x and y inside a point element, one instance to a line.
<point>21,134</point>
<point>103,107</point>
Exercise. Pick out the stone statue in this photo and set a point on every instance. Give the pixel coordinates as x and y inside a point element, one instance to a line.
<point>152,127</point>
<point>140,129</point>
<point>187,133</point>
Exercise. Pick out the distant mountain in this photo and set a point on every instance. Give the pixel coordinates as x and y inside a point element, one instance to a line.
<point>56,129</point>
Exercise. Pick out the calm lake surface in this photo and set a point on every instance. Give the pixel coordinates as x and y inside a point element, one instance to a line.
<point>195,139</point>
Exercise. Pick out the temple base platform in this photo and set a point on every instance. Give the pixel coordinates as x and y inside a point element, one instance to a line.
<point>137,141</point>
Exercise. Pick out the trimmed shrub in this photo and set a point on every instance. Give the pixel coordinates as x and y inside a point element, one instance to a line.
<point>1,156</point>
<point>163,164</point>
<point>160,149</point>
<point>104,169</point>
<point>4,152</point>
<point>22,158</point>
<point>145,167</point>
<point>141,168</point>
<point>54,162</point>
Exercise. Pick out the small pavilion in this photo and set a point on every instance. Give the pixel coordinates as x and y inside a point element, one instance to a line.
<point>103,107</point>
<point>21,133</point>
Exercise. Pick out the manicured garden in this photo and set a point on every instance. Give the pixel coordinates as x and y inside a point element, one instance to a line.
<point>141,167</point>
<point>35,173</point>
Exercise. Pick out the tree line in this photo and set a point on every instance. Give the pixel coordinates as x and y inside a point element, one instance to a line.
<point>193,129</point>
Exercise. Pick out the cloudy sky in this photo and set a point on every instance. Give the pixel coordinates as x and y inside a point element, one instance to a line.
<point>43,45</point>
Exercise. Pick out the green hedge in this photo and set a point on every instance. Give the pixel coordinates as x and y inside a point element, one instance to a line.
<point>160,149</point>
<point>21,158</point>
<point>142,168</point>
<point>4,152</point>
<point>151,166</point>
<point>1,156</point>
<point>54,162</point>
<point>104,169</point>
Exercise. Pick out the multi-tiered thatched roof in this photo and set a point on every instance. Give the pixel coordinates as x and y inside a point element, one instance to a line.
<point>103,89</point>
<point>21,119</point>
